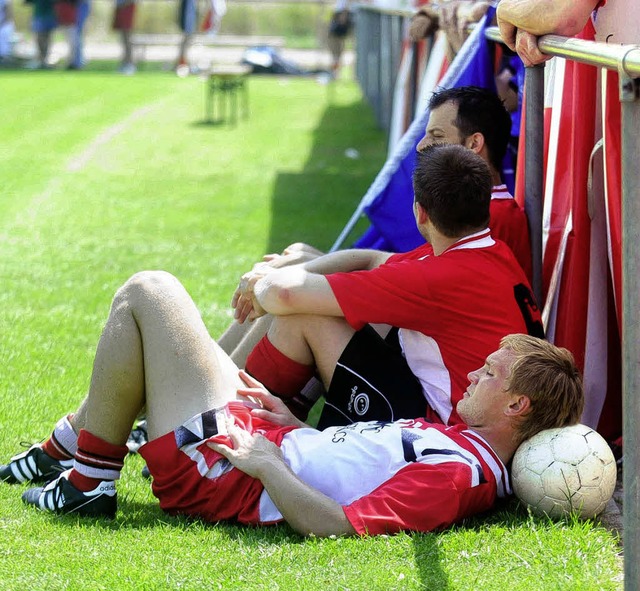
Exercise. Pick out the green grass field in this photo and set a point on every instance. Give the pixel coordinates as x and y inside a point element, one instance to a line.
<point>102,176</point>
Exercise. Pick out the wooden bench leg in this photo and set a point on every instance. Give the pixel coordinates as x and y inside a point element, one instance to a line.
<point>209,99</point>
<point>245,98</point>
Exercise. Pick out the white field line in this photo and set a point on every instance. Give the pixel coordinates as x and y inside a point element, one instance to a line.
<point>78,162</point>
<point>27,215</point>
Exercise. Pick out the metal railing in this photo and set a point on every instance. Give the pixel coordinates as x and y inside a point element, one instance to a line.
<point>625,59</point>
<point>379,37</point>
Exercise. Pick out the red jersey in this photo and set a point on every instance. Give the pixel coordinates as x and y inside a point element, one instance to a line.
<point>452,310</point>
<point>388,477</point>
<point>509,223</point>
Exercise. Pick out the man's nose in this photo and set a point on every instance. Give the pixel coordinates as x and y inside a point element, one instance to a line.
<point>422,144</point>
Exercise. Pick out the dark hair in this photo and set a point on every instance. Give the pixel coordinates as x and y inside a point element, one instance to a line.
<point>453,185</point>
<point>479,110</point>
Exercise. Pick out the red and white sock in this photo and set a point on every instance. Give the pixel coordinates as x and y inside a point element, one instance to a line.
<point>96,460</point>
<point>283,376</point>
<point>63,442</point>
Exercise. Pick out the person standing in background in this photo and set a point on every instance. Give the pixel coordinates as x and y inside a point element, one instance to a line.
<point>123,22</point>
<point>76,55</point>
<point>6,29</point>
<point>339,28</point>
<point>43,22</point>
<point>187,20</point>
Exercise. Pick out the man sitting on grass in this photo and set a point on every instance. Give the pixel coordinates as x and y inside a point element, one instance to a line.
<point>222,448</point>
<point>451,300</point>
<point>470,116</point>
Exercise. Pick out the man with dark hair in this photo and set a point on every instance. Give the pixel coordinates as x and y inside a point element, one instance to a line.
<point>451,301</point>
<point>476,118</point>
<point>222,448</point>
<point>470,116</point>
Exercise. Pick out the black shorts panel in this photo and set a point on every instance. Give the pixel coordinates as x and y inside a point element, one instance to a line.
<point>372,382</point>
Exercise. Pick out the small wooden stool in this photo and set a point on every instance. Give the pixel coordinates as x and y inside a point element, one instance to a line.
<point>222,88</point>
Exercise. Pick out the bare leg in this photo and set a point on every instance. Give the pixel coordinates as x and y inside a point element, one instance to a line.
<point>184,48</point>
<point>43,39</point>
<point>154,349</point>
<point>127,51</point>
<point>239,339</point>
<point>312,340</point>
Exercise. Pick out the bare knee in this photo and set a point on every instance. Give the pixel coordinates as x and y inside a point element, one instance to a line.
<point>145,287</point>
<point>305,323</point>
<point>316,331</point>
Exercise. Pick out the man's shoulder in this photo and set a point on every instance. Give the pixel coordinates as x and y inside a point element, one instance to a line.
<point>419,253</point>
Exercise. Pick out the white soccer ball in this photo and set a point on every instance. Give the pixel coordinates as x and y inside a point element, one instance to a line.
<point>563,471</point>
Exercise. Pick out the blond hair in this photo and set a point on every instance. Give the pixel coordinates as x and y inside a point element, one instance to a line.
<point>548,376</point>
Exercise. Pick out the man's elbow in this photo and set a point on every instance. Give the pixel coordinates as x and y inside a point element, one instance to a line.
<point>277,300</point>
<point>327,530</point>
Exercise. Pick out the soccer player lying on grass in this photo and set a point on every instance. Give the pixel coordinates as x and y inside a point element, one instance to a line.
<point>451,300</point>
<point>222,448</point>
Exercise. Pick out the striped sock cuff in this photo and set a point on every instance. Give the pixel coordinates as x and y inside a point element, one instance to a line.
<point>97,458</point>
<point>95,473</point>
<point>63,442</point>
<point>65,437</point>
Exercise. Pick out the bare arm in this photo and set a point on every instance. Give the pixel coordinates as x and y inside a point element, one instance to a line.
<point>305,509</point>
<point>521,21</point>
<point>342,261</point>
<point>295,291</point>
<point>299,289</point>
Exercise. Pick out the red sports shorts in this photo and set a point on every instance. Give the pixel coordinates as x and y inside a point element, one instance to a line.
<point>123,17</point>
<point>189,478</point>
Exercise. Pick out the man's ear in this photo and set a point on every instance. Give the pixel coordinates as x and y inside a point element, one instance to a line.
<point>519,406</point>
<point>475,142</point>
<point>421,215</point>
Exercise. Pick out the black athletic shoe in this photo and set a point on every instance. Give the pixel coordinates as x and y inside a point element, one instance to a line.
<point>138,437</point>
<point>60,496</point>
<point>33,465</point>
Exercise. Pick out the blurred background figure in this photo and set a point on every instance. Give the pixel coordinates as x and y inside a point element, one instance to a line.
<point>187,20</point>
<point>123,22</point>
<point>453,17</point>
<point>6,29</point>
<point>76,56</point>
<point>213,18</point>
<point>339,28</point>
<point>43,23</point>
<point>71,16</point>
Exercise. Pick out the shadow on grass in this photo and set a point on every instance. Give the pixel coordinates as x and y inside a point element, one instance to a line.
<point>506,514</point>
<point>137,515</point>
<point>428,562</point>
<point>314,205</point>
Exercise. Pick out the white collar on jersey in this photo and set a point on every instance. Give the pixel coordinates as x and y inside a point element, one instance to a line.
<point>480,239</point>
<point>500,192</point>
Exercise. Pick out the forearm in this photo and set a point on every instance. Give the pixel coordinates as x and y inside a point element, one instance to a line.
<point>296,291</point>
<point>304,508</point>
<point>560,17</point>
<point>344,261</point>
